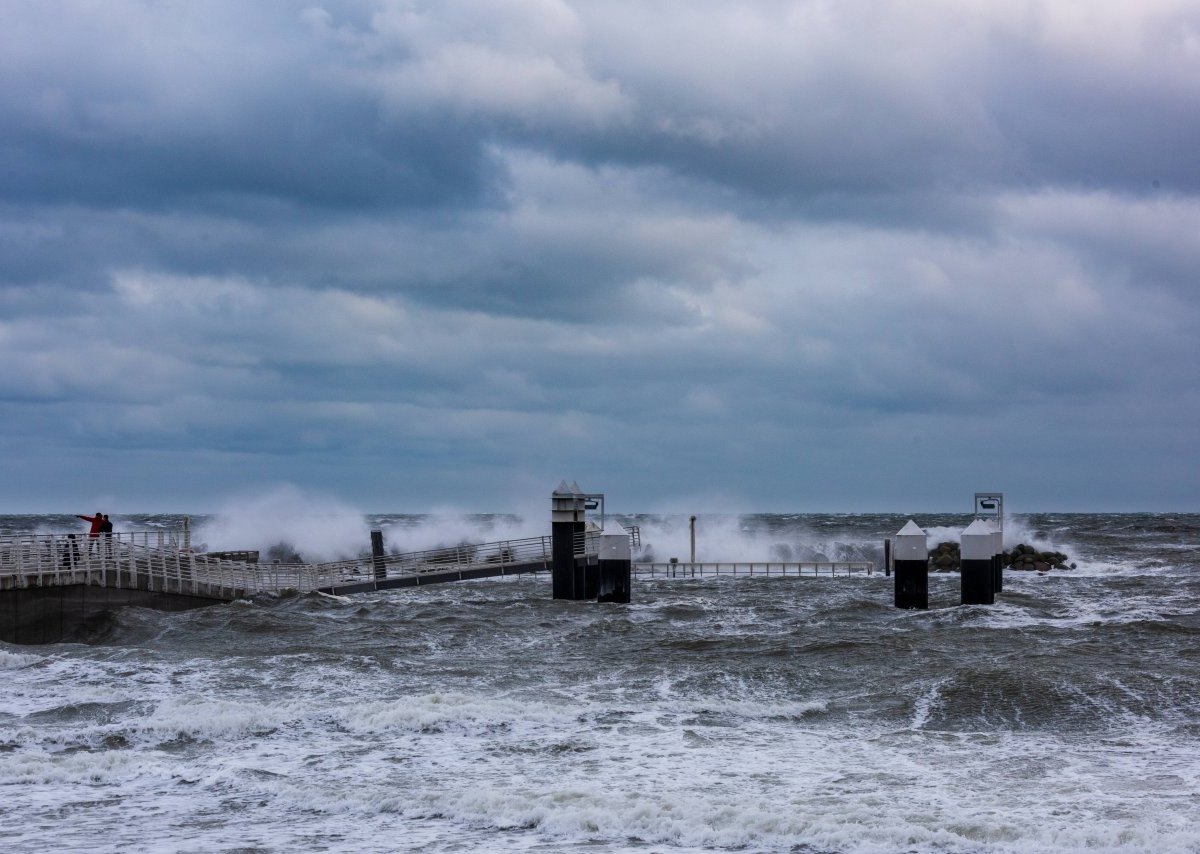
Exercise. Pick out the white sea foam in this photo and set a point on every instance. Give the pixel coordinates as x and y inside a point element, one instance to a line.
<point>443,528</point>
<point>34,765</point>
<point>827,792</point>
<point>212,718</point>
<point>732,538</point>
<point>549,775</point>
<point>937,534</point>
<point>429,711</point>
<point>13,660</point>
<point>926,703</point>
<point>319,528</point>
<point>1056,600</point>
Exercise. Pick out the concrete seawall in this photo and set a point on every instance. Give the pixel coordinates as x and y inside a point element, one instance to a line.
<point>40,615</point>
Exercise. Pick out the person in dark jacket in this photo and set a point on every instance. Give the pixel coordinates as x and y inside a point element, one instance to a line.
<point>106,528</point>
<point>70,554</point>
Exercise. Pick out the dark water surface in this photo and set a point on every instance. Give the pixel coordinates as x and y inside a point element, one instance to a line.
<point>762,714</point>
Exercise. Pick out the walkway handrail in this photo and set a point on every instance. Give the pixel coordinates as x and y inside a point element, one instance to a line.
<point>155,560</point>
<point>78,558</point>
<point>77,551</point>
<point>500,553</point>
<point>588,542</point>
<point>754,568</point>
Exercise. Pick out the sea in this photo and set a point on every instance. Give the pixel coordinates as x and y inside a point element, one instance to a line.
<point>747,714</point>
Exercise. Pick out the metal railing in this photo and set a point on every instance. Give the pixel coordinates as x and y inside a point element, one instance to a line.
<point>155,561</point>
<point>815,569</point>
<point>147,560</point>
<point>499,555</point>
<point>588,542</point>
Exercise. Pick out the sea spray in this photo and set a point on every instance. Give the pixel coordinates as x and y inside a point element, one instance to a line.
<point>316,528</point>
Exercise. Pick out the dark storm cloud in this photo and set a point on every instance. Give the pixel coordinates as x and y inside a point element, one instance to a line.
<point>724,247</point>
<point>162,105</point>
<point>393,104</point>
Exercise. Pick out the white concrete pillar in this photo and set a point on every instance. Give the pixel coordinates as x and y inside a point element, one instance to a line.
<point>567,518</point>
<point>978,582</point>
<point>616,565</point>
<point>911,557</point>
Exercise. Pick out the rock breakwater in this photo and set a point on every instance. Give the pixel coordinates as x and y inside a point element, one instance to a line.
<point>947,557</point>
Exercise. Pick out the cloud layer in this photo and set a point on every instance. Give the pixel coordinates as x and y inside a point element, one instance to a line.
<point>767,255</point>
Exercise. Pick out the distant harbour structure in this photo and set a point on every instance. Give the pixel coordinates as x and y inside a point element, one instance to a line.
<point>49,586</point>
<point>980,557</point>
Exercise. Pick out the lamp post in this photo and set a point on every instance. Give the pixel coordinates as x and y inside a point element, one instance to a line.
<point>989,506</point>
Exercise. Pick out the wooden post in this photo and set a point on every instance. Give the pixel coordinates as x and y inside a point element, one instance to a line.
<point>377,555</point>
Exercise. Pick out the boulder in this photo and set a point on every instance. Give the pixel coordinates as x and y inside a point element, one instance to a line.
<point>1026,558</point>
<point>947,557</point>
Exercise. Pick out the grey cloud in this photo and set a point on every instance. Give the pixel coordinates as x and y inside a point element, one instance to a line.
<point>394,106</point>
<point>132,105</point>
<point>807,99</point>
<point>728,248</point>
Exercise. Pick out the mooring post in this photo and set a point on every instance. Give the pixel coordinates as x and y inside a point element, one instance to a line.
<point>912,567</point>
<point>887,556</point>
<point>567,512</point>
<point>187,548</point>
<point>616,566</point>
<point>978,583</point>
<point>377,555</point>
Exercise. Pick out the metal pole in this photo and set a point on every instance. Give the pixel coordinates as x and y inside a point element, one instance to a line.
<point>693,526</point>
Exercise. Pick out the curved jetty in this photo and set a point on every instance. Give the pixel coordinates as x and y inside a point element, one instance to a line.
<point>50,584</point>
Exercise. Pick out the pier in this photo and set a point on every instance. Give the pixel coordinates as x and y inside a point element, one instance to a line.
<point>752,569</point>
<point>51,585</point>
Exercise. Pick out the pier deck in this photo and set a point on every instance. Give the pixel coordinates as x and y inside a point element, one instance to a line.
<point>162,563</point>
<point>48,582</point>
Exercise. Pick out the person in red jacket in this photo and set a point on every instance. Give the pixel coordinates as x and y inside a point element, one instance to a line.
<point>97,526</point>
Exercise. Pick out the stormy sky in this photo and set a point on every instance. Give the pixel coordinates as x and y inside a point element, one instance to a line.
<point>794,256</point>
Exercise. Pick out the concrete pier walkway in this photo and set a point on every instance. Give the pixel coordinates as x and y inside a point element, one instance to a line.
<point>51,582</point>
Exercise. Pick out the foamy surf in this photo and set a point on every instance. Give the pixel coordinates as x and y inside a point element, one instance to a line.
<point>720,714</point>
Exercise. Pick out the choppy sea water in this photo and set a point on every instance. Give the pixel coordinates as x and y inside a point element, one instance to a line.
<point>746,714</point>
